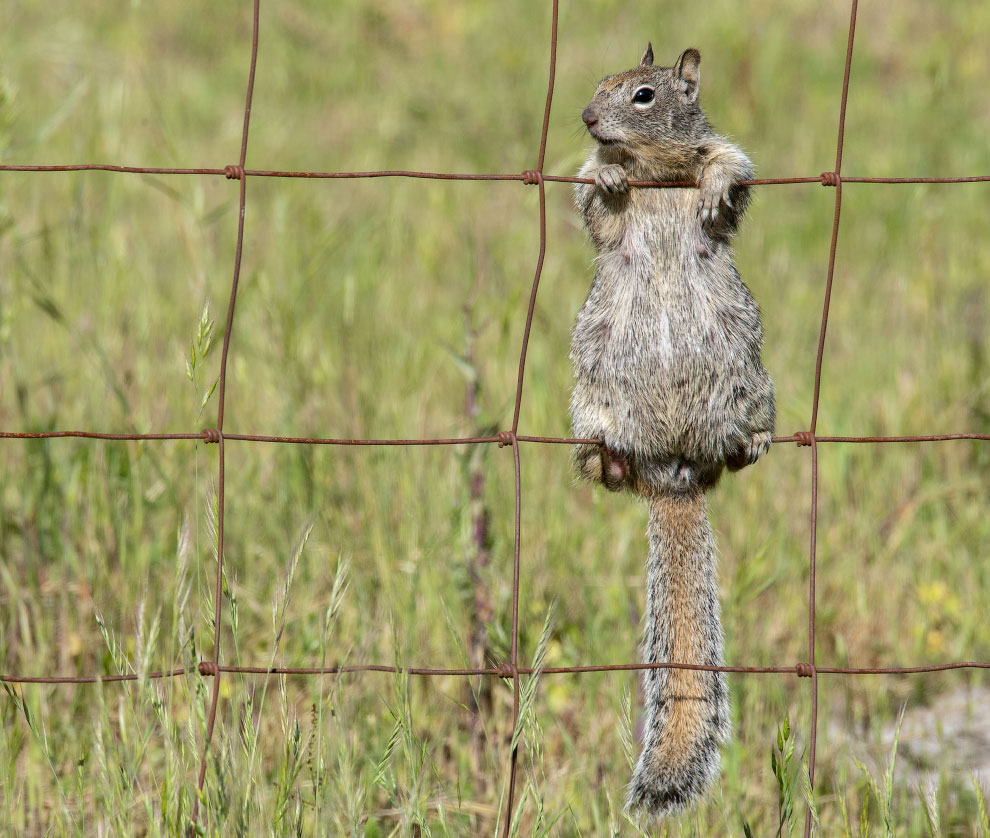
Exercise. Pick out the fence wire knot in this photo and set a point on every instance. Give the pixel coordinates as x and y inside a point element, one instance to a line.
<point>505,438</point>
<point>831,179</point>
<point>211,435</point>
<point>804,670</point>
<point>208,668</point>
<point>804,439</point>
<point>506,670</point>
<point>233,172</point>
<point>532,178</point>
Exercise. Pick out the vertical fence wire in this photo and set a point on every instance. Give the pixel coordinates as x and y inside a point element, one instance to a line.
<point>213,667</point>
<point>531,177</point>
<point>833,179</point>
<point>238,173</point>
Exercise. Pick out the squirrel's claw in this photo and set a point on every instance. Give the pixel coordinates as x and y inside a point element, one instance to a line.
<point>758,446</point>
<point>708,209</point>
<point>612,179</point>
<point>749,452</point>
<point>714,192</point>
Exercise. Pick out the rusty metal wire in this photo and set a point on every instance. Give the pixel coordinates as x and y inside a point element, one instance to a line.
<point>509,670</point>
<point>229,172</point>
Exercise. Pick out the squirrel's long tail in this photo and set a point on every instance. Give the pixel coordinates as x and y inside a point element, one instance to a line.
<point>687,711</point>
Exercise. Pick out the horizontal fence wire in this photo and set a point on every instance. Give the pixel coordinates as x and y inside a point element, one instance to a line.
<point>509,670</point>
<point>800,438</point>
<point>504,671</point>
<point>235,173</point>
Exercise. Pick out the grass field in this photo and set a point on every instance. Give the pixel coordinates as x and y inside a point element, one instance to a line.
<point>369,309</point>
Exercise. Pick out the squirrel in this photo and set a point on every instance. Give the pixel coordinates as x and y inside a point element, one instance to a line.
<point>666,356</point>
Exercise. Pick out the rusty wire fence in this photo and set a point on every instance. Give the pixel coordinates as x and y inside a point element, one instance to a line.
<point>508,438</point>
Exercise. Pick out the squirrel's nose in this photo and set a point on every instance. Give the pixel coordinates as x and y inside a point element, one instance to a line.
<point>590,115</point>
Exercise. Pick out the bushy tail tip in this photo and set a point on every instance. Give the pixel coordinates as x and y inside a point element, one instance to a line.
<point>660,787</point>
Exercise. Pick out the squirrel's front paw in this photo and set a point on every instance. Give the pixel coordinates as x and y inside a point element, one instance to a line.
<point>612,179</point>
<point>714,191</point>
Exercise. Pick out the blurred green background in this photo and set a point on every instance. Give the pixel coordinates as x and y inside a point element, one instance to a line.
<point>387,308</point>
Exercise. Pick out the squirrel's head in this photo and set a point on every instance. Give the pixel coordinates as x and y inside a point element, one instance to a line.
<point>648,105</point>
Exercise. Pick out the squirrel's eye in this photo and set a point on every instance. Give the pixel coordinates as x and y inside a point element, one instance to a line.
<point>643,96</point>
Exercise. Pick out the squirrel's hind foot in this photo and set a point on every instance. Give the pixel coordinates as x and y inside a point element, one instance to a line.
<point>748,454</point>
<point>600,464</point>
<point>615,469</point>
<point>588,459</point>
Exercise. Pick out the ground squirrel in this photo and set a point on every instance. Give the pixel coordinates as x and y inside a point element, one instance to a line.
<point>666,354</point>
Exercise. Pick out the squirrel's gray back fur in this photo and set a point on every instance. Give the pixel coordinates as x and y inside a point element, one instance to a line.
<point>666,355</point>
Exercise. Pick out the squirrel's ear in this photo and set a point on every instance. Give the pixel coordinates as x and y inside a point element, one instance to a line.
<point>687,71</point>
<point>647,60</point>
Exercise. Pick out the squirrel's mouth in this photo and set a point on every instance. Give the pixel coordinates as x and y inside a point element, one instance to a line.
<point>604,139</point>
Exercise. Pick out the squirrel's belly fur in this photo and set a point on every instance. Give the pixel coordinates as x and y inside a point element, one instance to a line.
<point>650,344</point>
